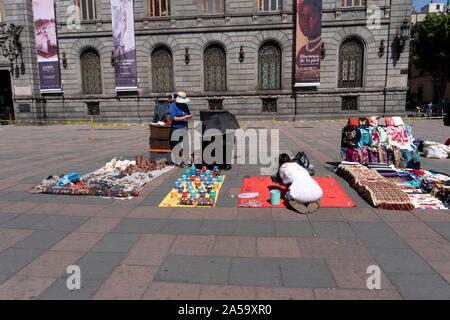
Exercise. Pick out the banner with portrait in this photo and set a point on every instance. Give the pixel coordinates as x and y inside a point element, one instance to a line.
<point>308,42</point>
<point>46,45</point>
<point>122,17</point>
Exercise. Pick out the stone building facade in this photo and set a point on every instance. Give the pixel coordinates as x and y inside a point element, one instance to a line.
<point>241,30</point>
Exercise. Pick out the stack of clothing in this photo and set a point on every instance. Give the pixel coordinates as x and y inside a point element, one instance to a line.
<point>379,140</point>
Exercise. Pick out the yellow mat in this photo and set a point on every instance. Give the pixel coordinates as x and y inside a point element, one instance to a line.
<point>173,202</point>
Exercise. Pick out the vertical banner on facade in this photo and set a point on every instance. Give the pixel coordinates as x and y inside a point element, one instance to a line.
<point>46,44</point>
<point>308,34</point>
<point>124,45</point>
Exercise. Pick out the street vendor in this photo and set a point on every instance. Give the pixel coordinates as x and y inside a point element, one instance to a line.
<point>304,192</point>
<point>179,115</point>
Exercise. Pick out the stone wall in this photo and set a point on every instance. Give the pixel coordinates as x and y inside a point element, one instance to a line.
<point>240,25</point>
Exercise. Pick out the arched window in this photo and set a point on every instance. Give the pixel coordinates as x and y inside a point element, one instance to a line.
<point>91,72</point>
<point>162,70</point>
<point>215,69</point>
<point>350,64</point>
<point>269,66</point>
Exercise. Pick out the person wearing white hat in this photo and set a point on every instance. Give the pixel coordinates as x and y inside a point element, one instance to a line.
<point>179,114</point>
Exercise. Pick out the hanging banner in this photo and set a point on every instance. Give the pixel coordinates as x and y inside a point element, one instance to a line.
<point>46,45</point>
<point>124,45</point>
<point>308,33</point>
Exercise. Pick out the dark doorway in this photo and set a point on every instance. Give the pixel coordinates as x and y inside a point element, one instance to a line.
<point>6,101</point>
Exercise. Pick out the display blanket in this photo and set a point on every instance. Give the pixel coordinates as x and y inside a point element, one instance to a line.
<point>333,195</point>
<point>174,197</point>
<point>118,179</point>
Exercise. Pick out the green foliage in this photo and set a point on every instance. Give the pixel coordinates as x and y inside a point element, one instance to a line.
<point>431,45</point>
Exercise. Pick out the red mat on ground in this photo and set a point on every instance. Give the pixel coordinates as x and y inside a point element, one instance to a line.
<point>333,195</point>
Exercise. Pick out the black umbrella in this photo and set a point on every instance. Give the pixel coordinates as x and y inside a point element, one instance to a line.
<point>221,120</point>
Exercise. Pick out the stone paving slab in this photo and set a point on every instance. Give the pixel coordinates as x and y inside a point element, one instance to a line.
<point>306,273</point>
<point>182,227</point>
<point>140,225</point>
<point>13,260</point>
<point>192,269</point>
<point>5,217</point>
<point>255,228</point>
<point>116,242</point>
<point>24,221</point>
<point>255,272</point>
<point>58,290</point>
<point>296,229</point>
<point>377,235</point>
<point>404,261</point>
<point>333,230</point>
<point>41,239</point>
<point>60,223</point>
<point>443,228</point>
<point>99,265</point>
<point>421,286</point>
<point>222,228</point>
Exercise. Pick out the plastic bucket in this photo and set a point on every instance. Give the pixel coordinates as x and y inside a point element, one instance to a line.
<point>275,196</point>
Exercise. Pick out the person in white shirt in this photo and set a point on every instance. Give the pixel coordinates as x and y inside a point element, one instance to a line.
<point>304,192</point>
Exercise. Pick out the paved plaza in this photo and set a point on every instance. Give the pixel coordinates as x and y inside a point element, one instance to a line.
<point>132,249</point>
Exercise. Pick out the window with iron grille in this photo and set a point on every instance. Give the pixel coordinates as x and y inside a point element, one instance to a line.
<point>162,70</point>
<point>349,103</point>
<point>215,69</point>
<point>159,8</point>
<point>215,104</point>
<point>352,3</point>
<point>268,5</point>
<point>350,64</point>
<point>269,105</point>
<point>91,72</point>
<point>86,9</point>
<point>93,108</point>
<point>269,65</point>
<point>212,6</point>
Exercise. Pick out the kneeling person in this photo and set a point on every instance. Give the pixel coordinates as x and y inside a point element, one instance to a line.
<point>304,192</point>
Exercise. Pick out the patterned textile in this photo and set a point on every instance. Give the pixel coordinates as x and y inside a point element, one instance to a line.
<point>398,157</point>
<point>366,137</point>
<point>353,121</point>
<point>375,138</point>
<point>364,122</point>
<point>364,155</point>
<point>373,155</point>
<point>355,173</point>
<point>379,192</point>
<point>384,194</point>
<point>373,121</point>
<point>398,136</point>
<point>389,121</point>
<point>426,201</point>
<point>382,155</point>
<point>351,155</point>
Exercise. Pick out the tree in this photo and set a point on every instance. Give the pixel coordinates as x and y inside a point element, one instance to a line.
<point>431,49</point>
